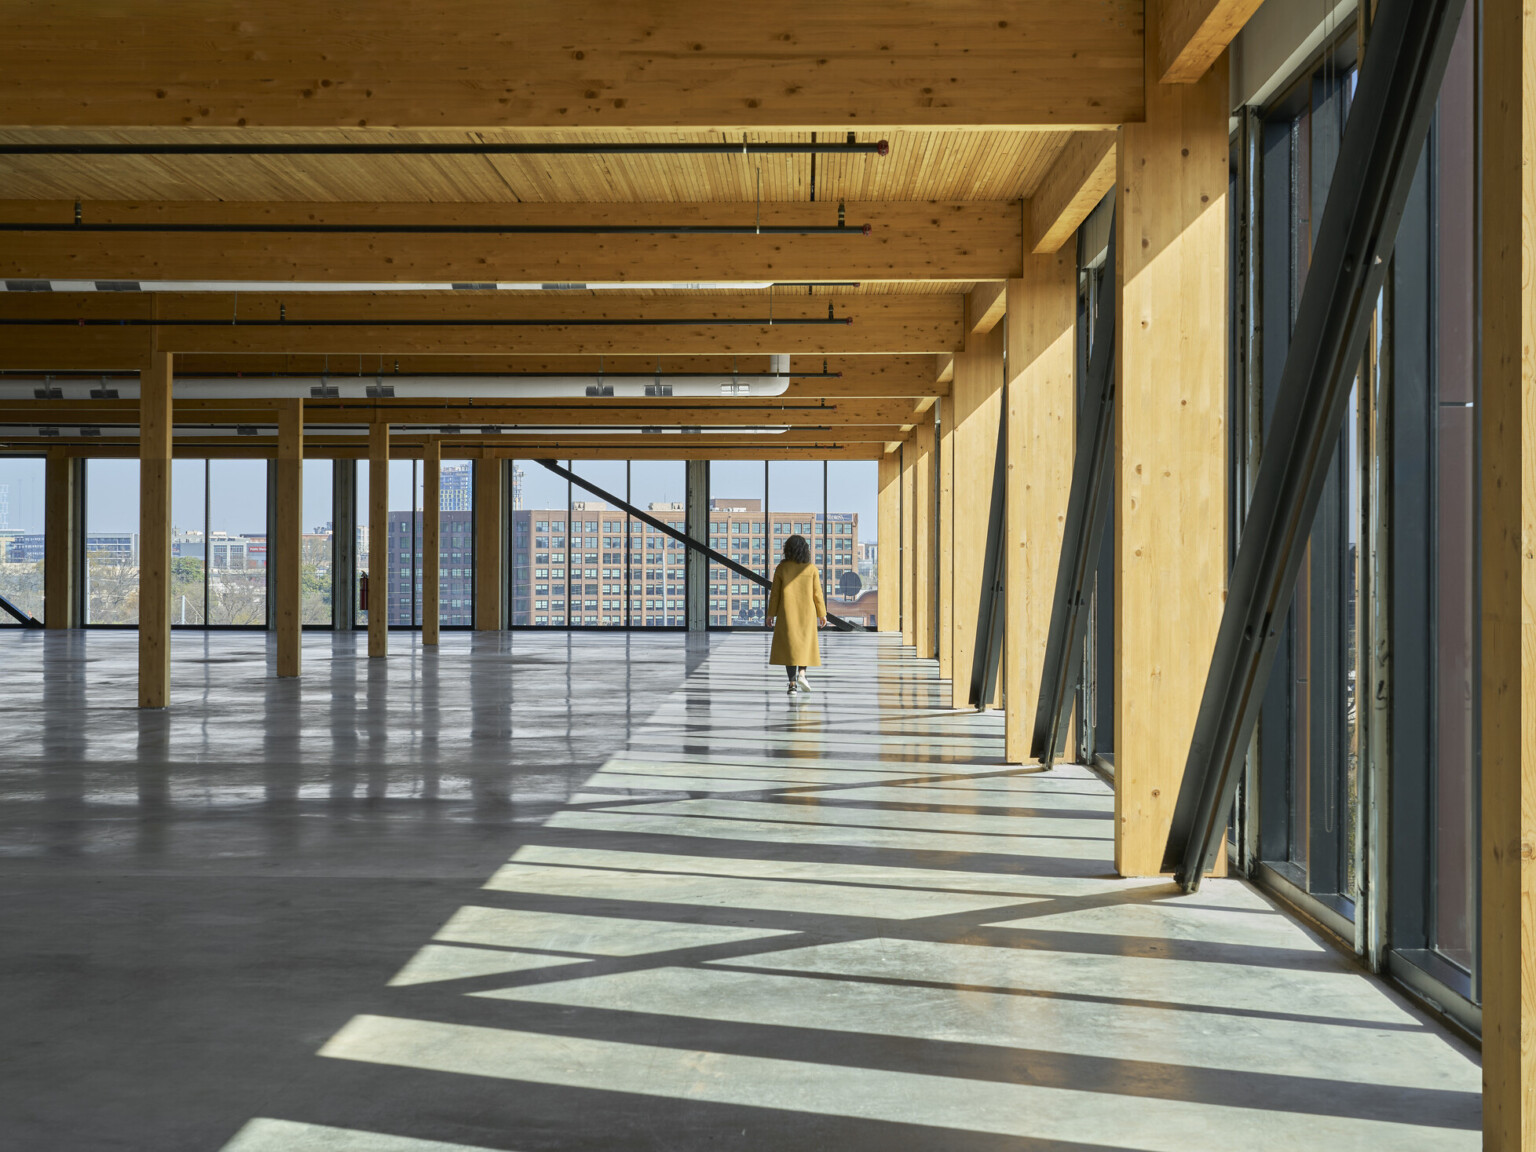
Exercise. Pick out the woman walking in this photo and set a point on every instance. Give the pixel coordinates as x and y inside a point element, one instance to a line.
<point>793,604</point>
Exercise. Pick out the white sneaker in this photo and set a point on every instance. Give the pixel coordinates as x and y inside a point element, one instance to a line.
<point>794,686</point>
<point>802,683</point>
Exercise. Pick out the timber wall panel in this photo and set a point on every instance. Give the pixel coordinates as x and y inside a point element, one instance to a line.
<point>1042,403</point>
<point>1170,443</point>
<point>978,395</point>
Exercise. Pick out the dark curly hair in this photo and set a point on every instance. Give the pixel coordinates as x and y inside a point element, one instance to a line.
<point>797,549</point>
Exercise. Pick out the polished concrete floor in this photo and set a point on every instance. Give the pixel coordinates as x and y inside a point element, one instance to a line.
<point>599,892</point>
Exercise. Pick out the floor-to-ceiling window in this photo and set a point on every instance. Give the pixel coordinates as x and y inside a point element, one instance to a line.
<point>738,528</point>
<point>318,555</point>
<point>405,557</point>
<point>538,547</point>
<point>237,539</point>
<point>1096,687</point>
<point>1309,767</point>
<point>1433,885</point>
<point>23,481</point>
<point>111,568</point>
<point>1372,702</point>
<point>852,495</point>
<point>658,569</point>
<point>599,545</point>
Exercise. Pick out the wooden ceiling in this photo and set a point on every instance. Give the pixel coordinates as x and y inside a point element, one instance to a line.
<point>986,105</point>
<point>921,166</point>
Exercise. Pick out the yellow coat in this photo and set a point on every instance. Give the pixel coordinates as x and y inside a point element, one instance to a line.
<point>797,604</point>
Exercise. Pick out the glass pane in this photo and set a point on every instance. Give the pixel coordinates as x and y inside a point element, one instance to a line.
<point>1309,758</point>
<point>402,564</point>
<point>189,542</point>
<point>237,542</point>
<point>598,548</point>
<point>852,495</point>
<point>360,513</point>
<point>1455,800</point>
<point>658,566</point>
<point>112,542</point>
<point>738,528</point>
<point>540,507</point>
<point>456,545</point>
<point>22,487</point>
<point>317,556</point>
<point>796,501</point>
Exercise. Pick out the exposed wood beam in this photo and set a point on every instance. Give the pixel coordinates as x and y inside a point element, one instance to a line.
<point>587,448</point>
<point>962,241</point>
<point>1188,35</point>
<point>527,64</point>
<point>944,368</point>
<point>878,324</point>
<point>985,307</point>
<point>1078,180</point>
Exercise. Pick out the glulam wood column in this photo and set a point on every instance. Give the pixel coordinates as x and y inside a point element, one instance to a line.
<point>922,538</point>
<point>155,532</point>
<point>1508,601</point>
<point>431,539</point>
<point>888,555</point>
<point>1170,444</point>
<point>490,545</point>
<point>61,544</point>
<point>1042,404</point>
<point>288,552</point>
<point>978,407</point>
<point>378,540</point>
<point>909,545</point>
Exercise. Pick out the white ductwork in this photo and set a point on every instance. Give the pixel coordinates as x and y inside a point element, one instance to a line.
<point>602,387</point>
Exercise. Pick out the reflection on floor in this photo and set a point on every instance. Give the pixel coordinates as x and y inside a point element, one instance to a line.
<point>832,921</point>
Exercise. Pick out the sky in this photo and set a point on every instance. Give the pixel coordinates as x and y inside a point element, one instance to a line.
<point>238,493</point>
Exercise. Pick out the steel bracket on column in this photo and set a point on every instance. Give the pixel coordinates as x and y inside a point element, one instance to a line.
<point>990,615</point>
<point>1383,139</point>
<point>1083,534</point>
<point>683,538</point>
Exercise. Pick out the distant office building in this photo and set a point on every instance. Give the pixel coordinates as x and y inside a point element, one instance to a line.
<point>594,566</point>
<point>456,494</point>
<point>113,547</point>
<point>736,528</point>
<point>25,548</point>
<point>456,567</point>
<point>230,553</point>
